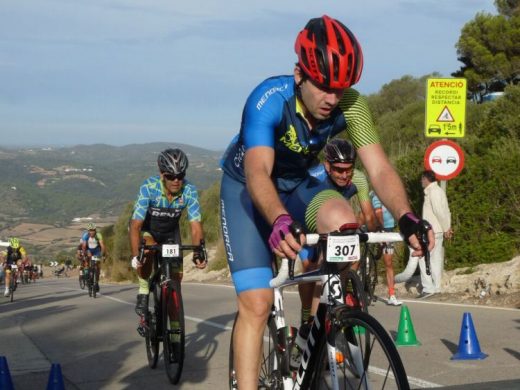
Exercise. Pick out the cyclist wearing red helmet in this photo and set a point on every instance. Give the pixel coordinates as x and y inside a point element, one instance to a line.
<point>286,121</point>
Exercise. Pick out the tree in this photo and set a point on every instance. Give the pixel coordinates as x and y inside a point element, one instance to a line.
<point>488,47</point>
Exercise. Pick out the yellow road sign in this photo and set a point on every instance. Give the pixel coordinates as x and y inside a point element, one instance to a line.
<point>445,108</point>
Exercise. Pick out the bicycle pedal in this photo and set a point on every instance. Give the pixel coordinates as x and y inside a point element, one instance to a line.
<point>141,330</point>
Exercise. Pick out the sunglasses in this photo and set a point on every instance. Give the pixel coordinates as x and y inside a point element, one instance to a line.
<point>172,177</point>
<point>340,169</point>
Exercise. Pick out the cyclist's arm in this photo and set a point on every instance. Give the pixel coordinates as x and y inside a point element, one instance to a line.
<point>258,165</point>
<point>135,234</point>
<point>388,187</point>
<point>368,212</point>
<point>103,248</point>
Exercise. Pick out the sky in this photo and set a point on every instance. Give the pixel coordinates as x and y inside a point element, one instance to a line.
<point>135,71</point>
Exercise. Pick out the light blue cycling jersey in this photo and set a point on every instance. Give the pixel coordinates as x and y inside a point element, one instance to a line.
<point>92,243</point>
<point>152,194</point>
<point>388,219</point>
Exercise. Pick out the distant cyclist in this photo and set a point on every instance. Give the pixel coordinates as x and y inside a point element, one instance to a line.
<point>157,211</point>
<point>14,254</point>
<point>92,243</point>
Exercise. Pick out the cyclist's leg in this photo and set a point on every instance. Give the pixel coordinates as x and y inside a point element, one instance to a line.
<point>388,255</point>
<point>7,279</point>
<point>245,234</point>
<point>143,273</point>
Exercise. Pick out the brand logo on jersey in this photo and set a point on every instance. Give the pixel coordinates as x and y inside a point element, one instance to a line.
<point>266,95</point>
<point>170,214</point>
<point>290,140</point>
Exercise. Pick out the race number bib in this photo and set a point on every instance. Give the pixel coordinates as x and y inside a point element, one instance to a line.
<point>341,249</point>
<point>170,250</point>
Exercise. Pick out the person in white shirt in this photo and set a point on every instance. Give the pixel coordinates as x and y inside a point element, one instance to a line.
<point>435,210</point>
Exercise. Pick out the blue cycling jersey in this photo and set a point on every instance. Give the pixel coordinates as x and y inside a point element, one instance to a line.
<point>388,219</point>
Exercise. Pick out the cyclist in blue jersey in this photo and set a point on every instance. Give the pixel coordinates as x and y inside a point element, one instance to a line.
<point>286,121</point>
<point>93,245</point>
<point>337,172</point>
<point>157,212</point>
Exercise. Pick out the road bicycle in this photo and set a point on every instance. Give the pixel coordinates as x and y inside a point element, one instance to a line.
<point>164,319</point>
<point>93,282</point>
<point>346,348</point>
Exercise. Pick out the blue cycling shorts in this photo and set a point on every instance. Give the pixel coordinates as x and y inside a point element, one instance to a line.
<point>246,233</point>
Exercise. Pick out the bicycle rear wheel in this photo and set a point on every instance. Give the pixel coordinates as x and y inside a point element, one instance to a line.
<point>153,324</point>
<point>270,363</point>
<point>173,330</point>
<point>366,357</point>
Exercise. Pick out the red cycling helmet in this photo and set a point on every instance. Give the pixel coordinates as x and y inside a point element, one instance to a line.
<point>329,54</point>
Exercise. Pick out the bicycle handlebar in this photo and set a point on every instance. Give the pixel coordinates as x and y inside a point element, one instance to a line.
<point>286,267</point>
<point>200,248</point>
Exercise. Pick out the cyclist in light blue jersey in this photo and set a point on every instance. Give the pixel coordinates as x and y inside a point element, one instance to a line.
<point>157,212</point>
<point>387,221</point>
<point>286,122</point>
<point>92,243</point>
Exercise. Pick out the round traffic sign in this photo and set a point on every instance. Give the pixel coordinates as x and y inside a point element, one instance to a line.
<point>445,158</point>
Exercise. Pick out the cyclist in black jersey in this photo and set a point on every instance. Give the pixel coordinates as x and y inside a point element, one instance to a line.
<point>157,211</point>
<point>286,121</point>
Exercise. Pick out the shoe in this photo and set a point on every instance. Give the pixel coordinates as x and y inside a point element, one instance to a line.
<point>142,304</point>
<point>6,293</point>
<point>425,295</point>
<point>299,345</point>
<point>392,301</point>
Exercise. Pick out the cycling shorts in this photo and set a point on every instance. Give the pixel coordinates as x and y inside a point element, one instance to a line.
<point>388,247</point>
<point>246,233</point>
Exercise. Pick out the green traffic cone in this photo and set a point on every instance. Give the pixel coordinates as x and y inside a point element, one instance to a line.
<point>406,334</point>
<point>359,329</point>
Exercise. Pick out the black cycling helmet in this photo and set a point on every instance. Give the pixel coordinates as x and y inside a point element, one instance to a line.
<point>340,150</point>
<point>172,161</point>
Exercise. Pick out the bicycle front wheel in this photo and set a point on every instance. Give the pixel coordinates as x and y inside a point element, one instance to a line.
<point>173,330</point>
<point>153,326</point>
<point>270,364</point>
<point>366,357</point>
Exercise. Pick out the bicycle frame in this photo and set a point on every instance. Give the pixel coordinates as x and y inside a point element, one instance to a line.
<point>332,297</point>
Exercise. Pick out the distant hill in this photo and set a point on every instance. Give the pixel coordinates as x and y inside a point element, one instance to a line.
<point>55,185</point>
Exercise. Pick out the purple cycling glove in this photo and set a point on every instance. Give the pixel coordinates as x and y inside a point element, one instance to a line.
<point>280,230</point>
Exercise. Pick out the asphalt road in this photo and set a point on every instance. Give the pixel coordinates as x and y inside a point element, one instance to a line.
<point>97,346</point>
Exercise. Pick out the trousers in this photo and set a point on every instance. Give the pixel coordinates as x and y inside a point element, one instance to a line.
<point>430,283</point>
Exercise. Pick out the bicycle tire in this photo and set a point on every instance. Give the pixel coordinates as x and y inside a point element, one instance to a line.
<point>81,281</point>
<point>94,283</point>
<point>368,274</point>
<point>11,297</point>
<point>354,285</point>
<point>270,374</point>
<point>366,357</point>
<point>172,307</point>
<point>152,337</point>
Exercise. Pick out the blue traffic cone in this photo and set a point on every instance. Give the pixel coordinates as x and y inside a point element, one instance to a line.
<point>55,378</point>
<point>5,376</point>
<point>469,347</point>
